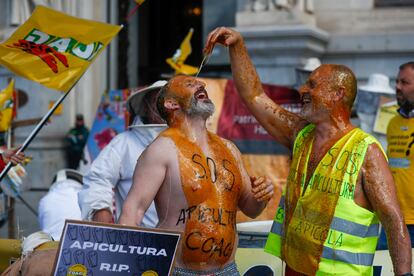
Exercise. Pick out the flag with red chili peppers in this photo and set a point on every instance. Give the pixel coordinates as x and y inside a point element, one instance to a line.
<point>55,49</point>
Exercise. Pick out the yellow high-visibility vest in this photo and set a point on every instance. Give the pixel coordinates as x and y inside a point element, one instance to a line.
<point>322,231</point>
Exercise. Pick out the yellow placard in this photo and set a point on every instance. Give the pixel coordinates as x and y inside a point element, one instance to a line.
<point>385,113</point>
<point>55,49</point>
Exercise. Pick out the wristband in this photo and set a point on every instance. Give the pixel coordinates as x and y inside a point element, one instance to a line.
<point>406,274</point>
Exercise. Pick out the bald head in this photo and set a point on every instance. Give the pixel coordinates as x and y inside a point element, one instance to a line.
<point>337,77</point>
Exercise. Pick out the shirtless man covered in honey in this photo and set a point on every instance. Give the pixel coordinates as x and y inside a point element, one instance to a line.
<point>198,183</point>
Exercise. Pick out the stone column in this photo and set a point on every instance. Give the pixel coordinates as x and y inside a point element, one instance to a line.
<point>280,35</point>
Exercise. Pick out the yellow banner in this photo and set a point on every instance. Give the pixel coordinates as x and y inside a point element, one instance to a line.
<point>6,106</point>
<point>55,49</point>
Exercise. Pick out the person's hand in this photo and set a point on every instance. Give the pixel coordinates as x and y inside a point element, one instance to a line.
<point>103,215</point>
<point>262,188</point>
<point>222,35</point>
<point>9,155</point>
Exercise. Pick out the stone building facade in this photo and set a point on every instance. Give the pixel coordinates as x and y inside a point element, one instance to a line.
<point>368,36</point>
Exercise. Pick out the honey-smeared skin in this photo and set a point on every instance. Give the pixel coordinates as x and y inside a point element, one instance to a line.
<point>208,242</point>
<point>329,109</point>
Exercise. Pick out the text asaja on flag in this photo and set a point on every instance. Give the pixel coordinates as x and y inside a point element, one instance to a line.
<point>68,45</point>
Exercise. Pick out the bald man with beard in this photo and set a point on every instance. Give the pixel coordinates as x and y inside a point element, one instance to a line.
<point>197,181</point>
<point>339,185</point>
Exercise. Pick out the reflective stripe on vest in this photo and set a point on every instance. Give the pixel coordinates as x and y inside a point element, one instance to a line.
<point>355,229</point>
<point>341,225</point>
<point>276,228</point>
<point>365,259</point>
<point>275,235</point>
<point>279,217</point>
<point>348,227</point>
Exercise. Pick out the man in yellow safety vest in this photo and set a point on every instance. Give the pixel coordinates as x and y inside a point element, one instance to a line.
<point>339,186</point>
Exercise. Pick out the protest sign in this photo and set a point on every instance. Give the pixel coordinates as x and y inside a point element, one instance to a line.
<point>88,248</point>
<point>386,111</point>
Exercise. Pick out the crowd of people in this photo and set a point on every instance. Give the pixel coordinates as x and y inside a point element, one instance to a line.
<point>342,187</point>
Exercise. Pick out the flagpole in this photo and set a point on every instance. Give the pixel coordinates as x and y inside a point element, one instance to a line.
<point>37,129</point>
<point>40,125</point>
<point>27,205</point>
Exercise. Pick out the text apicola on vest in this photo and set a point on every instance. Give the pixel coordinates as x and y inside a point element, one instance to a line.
<point>317,232</point>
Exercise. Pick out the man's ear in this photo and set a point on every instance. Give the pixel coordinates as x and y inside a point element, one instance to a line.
<point>171,104</point>
<point>340,93</point>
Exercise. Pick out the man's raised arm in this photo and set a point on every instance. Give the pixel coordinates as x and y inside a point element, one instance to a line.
<point>148,177</point>
<point>379,187</point>
<point>280,123</point>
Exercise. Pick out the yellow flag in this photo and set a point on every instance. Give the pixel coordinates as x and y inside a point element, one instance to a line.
<point>139,2</point>
<point>180,55</point>
<point>55,49</point>
<point>6,106</point>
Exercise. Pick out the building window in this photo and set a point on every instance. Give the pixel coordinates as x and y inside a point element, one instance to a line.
<point>393,3</point>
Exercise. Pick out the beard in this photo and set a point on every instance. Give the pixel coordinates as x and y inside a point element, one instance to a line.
<point>314,114</point>
<point>306,112</point>
<point>204,108</point>
<point>405,104</point>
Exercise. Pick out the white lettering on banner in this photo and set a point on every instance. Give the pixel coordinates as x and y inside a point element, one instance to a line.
<point>151,251</point>
<point>118,248</point>
<point>162,253</point>
<point>258,129</point>
<point>103,247</point>
<point>113,267</point>
<point>244,119</point>
<point>76,244</point>
<point>88,245</point>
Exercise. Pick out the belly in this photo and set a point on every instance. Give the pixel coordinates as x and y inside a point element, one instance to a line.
<point>209,238</point>
<point>204,244</point>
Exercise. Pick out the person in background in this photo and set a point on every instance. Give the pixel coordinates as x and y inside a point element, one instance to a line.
<point>339,185</point>
<point>60,202</point>
<point>75,142</point>
<point>9,155</point>
<point>110,175</point>
<point>302,73</point>
<point>400,138</point>
<point>368,102</point>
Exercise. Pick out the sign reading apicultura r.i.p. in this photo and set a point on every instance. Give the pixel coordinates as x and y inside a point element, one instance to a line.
<point>92,249</point>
